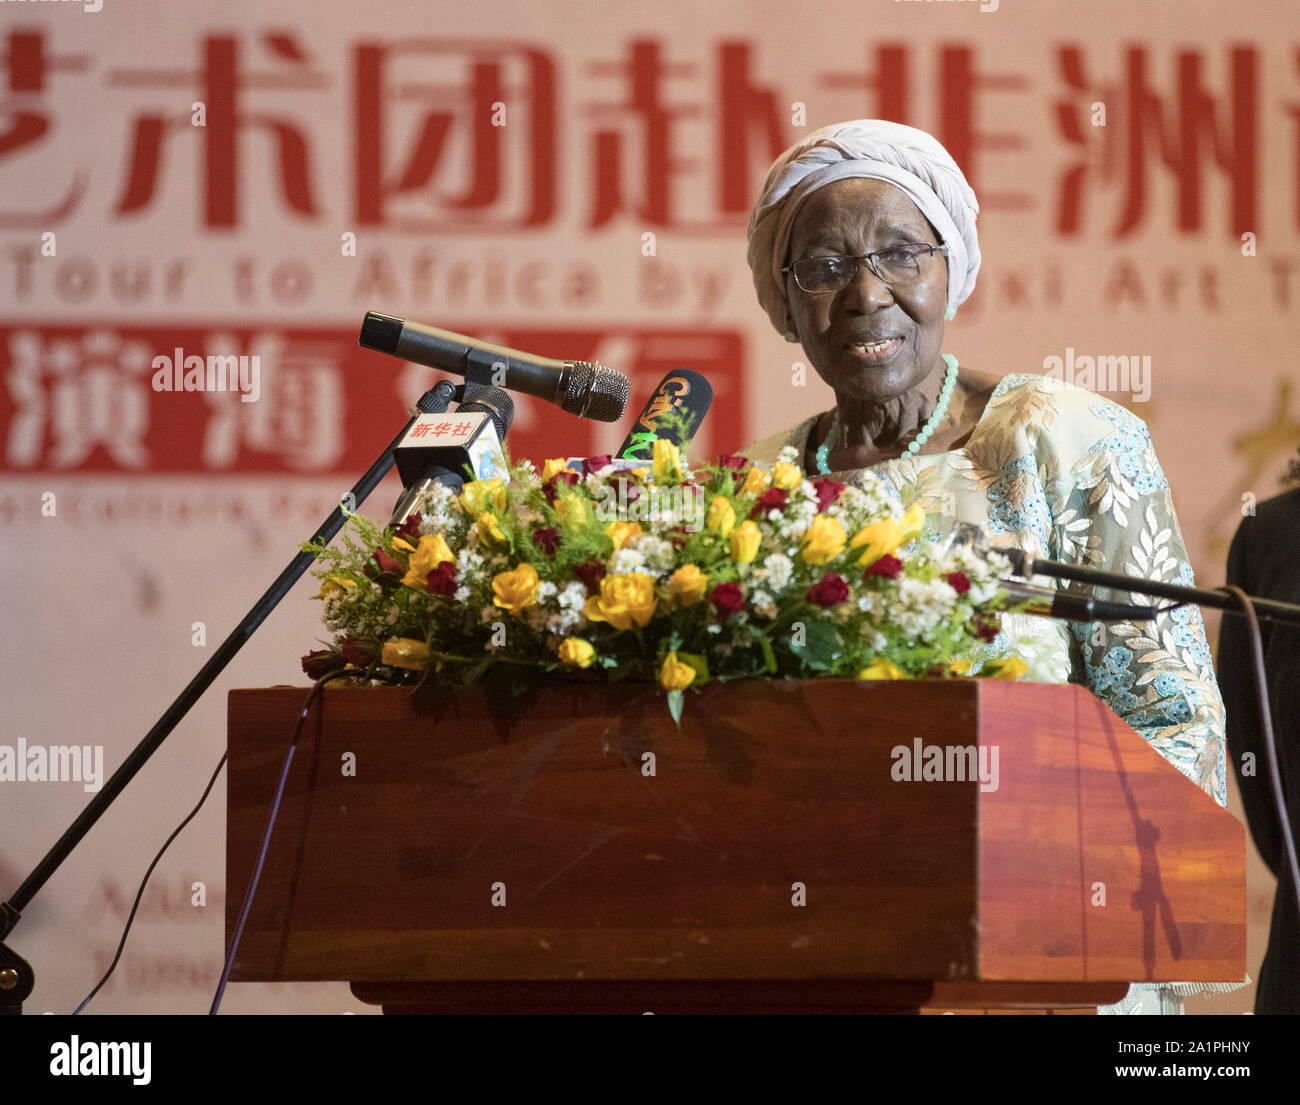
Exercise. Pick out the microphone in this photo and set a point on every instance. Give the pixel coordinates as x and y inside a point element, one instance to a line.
<point>1047,602</point>
<point>1044,602</point>
<point>493,402</point>
<point>447,449</point>
<point>1023,564</point>
<point>674,412</point>
<point>584,388</point>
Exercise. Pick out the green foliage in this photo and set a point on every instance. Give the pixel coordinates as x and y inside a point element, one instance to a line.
<point>486,620</point>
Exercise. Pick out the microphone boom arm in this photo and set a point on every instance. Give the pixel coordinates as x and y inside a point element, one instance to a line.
<point>1028,566</point>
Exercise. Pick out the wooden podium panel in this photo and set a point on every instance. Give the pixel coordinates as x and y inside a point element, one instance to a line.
<point>576,836</point>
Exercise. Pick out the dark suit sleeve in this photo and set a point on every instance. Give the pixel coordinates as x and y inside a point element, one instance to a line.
<point>1237,684</point>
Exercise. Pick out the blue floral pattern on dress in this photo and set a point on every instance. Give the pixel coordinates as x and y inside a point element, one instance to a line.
<point>1131,445</point>
<point>1012,513</point>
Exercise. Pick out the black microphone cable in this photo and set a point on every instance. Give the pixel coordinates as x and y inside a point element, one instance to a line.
<point>247,905</point>
<point>121,944</point>
<point>144,882</point>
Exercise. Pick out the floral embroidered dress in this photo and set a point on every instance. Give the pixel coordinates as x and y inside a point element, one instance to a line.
<point>1068,475</point>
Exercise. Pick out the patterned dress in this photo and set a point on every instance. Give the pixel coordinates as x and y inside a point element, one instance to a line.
<point>1068,475</point>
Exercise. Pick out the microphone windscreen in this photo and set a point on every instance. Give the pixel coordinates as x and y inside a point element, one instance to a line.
<point>593,391</point>
<point>493,402</point>
<point>674,411</point>
<point>610,391</point>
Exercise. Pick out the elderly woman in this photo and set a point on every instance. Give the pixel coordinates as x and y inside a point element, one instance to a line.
<point>862,243</point>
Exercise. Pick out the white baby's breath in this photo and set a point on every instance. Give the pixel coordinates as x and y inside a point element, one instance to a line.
<point>878,614</point>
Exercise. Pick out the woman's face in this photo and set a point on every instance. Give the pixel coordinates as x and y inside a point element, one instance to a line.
<point>849,218</point>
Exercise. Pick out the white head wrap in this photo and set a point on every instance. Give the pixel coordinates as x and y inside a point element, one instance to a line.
<point>876,148</point>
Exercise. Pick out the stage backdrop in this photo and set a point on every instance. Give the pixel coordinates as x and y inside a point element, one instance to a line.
<point>248,179</point>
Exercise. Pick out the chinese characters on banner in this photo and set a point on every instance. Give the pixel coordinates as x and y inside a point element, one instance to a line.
<point>471,139</point>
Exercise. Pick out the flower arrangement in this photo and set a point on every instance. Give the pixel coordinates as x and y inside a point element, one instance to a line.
<point>659,573</point>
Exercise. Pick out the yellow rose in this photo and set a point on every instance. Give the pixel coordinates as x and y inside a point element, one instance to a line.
<point>551,467</point>
<point>577,653</point>
<point>623,600</point>
<point>623,532</point>
<point>400,543</point>
<point>913,523</point>
<point>403,652</point>
<point>571,512</point>
<point>674,675</point>
<point>516,590</point>
<point>490,530</point>
<point>1009,667</point>
<point>476,496</point>
<point>756,482</point>
<point>688,584</point>
<point>824,540</point>
<point>876,540</point>
<point>959,667</point>
<point>639,473</point>
<point>744,542</point>
<point>881,668</point>
<point>432,552</point>
<point>667,461</point>
<point>786,476</point>
<point>334,585</point>
<point>721,518</point>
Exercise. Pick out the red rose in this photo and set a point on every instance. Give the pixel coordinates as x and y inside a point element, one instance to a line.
<point>388,564</point>
<point>827,492</point>
<point>985,627</point>
<point>592,465</point>
<point>830,590</point>
<point>958,582</point>
<point>889,566</point>
<point>772,499</point>
<point>442,580</point>
<point>410,529</point>
<point>359,652</point>
<point>550,487</point>
<point>548,540</point>
<point>320,663</point>
<point>727,600</point>
<point>591,572</point>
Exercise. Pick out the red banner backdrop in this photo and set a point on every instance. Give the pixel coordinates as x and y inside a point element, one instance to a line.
<point>237,181</point>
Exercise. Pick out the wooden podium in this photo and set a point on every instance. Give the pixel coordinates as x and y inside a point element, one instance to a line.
<point>572,850</point>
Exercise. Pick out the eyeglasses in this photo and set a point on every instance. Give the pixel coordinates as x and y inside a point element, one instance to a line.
<point>897,265</point>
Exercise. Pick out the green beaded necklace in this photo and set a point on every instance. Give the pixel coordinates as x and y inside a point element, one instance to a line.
<point>914,447</point>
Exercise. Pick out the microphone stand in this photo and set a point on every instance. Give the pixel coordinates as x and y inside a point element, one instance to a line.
<point>1027,566</point>
<point>16,976</point>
